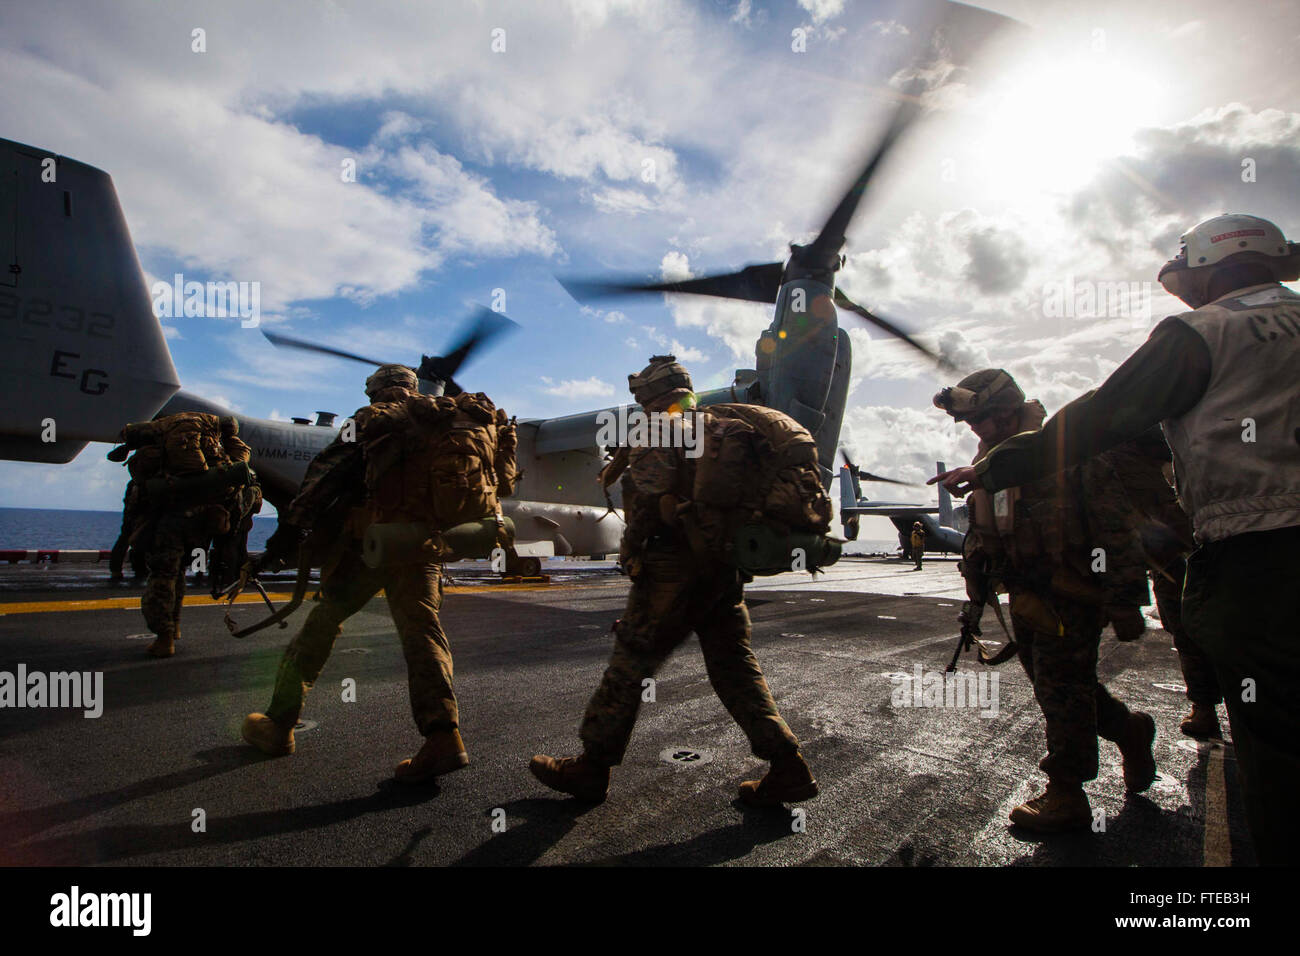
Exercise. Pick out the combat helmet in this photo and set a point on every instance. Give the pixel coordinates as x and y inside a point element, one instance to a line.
<point>391,376</point>
<point>980,394</point>
<point>661,376</point>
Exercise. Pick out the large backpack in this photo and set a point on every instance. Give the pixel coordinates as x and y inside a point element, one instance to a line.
<point>190,441</point>
<point>190,460</point>
<point>759,469</point>
<point>433,459</point>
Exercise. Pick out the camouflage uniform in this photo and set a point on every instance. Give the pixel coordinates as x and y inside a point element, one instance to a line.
<point>676,589</point>
<point>414,590</point>
<point>672,595</point>
<point>174,533</point>
<point>1138,466</point>
<point>1043,538</point>
<point>175,536</point>
<point>132,517</point>
<point>414,594</point>
<point>1058,615</point>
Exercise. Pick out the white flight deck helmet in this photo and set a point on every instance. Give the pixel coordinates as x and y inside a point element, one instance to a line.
<point>1223,241</point>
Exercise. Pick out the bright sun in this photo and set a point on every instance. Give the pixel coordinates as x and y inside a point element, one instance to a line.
<point>1049,124</point>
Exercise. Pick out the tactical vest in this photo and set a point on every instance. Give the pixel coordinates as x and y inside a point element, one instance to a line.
<point>1043,535</point>
<point>1230,485</point>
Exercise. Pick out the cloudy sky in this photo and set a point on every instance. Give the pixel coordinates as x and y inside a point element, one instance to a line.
<point>652,137</point>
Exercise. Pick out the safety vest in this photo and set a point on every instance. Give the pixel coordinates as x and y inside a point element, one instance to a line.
<point>1237,451</point>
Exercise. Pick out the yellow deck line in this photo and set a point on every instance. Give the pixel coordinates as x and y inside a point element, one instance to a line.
<point>203,600</point>
<point>1218,837</point>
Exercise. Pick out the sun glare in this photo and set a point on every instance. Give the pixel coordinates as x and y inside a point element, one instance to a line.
<point>1049,125</point>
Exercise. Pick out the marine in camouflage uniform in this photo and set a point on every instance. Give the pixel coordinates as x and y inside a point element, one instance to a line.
<point>1044,541</point>
<point>674,593</point>
<point>413,590</point>
<point>1204,376</point>
<point>1166,536</point>
<point>173,532</point>
<point>131,519</point>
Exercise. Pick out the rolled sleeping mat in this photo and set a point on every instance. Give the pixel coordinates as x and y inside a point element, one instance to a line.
<point>760,549</point>
<point>206,485</point>
<point>402,542</point>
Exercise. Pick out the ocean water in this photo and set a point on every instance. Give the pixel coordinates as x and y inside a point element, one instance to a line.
<point>48,528</point>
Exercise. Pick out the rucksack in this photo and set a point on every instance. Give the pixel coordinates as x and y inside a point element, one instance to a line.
<point>434,459</point>
<point>759,467</point>
<point>189,442</point>
<point>177,459</point>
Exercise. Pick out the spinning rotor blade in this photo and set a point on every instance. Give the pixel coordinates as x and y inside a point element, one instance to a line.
<point>831,238</point>
<point>958,24</point>
<point>868,476</point>
<point>288,342</point>
<point>486,326</point>
<point>844,302</point>
<point>756,283</point>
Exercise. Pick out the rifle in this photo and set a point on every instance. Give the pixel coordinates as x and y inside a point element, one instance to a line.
<point>981,580</point>
<point>325,500</point>
<point>248,575</point>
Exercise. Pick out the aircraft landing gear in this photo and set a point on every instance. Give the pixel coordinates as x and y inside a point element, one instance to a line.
<point>521,567</point>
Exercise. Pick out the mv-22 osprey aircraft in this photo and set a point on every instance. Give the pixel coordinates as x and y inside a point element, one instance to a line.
<point>84,353</point>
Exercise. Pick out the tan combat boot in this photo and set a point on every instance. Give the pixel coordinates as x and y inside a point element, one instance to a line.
<point>1139,762</point>
<point>578,776</point>
<point>788,781</point>
<point>164,645</point>
<point>267,735</point>
<point>443,752</point>
<point>1202,723</point>
<point>1061,807</point>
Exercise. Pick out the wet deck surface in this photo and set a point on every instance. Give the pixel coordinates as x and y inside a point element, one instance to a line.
<point>911,786</point>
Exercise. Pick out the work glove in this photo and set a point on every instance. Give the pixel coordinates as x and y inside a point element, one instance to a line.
<point>1127,620</point>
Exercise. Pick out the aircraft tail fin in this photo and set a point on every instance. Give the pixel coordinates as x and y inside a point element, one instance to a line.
<point>91,354</point>
<point>945,499</point>
<point>849,489</point>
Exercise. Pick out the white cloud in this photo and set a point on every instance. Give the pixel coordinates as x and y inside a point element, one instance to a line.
<point>685,353</point>
<point>904,443</point>
<point>734,323</point>
<point>622,201</point>
<point>823,10</point>
<point>579,388</point>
